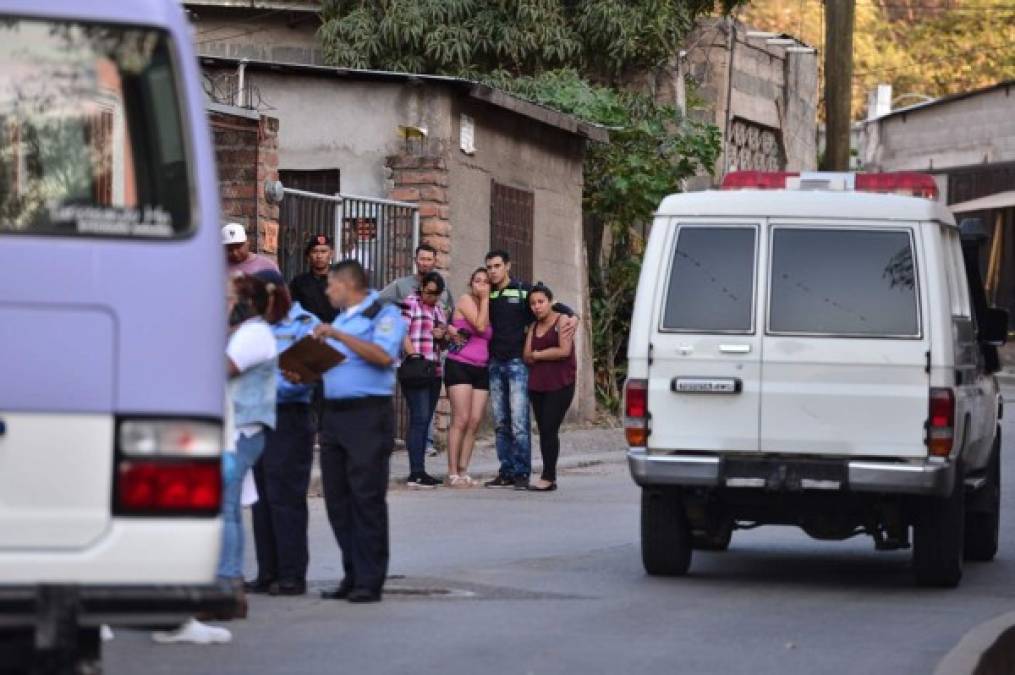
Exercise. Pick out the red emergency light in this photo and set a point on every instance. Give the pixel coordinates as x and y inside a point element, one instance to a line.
<point>908,183</point>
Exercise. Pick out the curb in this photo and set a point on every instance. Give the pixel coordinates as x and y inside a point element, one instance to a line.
<point>987,649</point>
<point>573,462</point>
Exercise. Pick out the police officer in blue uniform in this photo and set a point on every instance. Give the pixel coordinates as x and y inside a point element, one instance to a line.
<point>357,430</point>
<point>282,475</point>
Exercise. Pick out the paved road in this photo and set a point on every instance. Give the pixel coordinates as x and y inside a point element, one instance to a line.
<point>524,583</point>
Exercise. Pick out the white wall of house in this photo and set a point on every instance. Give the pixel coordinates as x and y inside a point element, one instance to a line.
<point>352,127</point>
<point>979,129</point>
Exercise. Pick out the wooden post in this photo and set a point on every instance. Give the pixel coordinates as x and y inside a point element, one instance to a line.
<point>839,16</point>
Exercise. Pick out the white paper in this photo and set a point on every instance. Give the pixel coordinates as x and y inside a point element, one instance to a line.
<point>248,494</point>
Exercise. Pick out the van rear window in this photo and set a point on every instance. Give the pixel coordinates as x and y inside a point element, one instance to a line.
<point>843,282</point>
<point>91,139</point>
<point>711,288</point>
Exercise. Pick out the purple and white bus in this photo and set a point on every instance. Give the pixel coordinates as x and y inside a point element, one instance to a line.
<point>112,327</point>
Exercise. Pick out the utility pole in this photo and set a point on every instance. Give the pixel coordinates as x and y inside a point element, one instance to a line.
<point>839,15</point>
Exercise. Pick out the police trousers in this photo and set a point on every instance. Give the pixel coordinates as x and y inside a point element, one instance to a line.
<point>357,437</point>
<point>280,514</point>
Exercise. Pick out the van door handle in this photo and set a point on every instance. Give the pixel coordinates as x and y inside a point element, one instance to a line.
<point>735,349</point>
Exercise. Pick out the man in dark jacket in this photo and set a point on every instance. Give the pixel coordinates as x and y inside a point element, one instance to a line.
<point>510,316</point>
<point>308,288</point>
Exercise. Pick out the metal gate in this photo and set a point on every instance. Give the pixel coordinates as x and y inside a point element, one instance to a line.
<point>381,234</point>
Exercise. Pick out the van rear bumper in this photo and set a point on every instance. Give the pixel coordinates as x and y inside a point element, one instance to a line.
<point>891,477</point>
<point>23,606</point>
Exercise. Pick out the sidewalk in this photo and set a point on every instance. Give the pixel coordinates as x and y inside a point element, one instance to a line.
<point>579,447</point>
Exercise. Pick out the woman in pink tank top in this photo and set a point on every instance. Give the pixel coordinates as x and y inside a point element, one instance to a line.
<point>466,376</point>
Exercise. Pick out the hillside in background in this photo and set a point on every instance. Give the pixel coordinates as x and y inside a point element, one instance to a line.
<point>923,48</point>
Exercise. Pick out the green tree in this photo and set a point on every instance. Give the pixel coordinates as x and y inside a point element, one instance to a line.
<point>574,56</point>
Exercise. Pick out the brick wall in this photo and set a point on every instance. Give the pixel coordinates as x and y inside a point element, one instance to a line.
<point>424,181</point>
<point>246,154</point>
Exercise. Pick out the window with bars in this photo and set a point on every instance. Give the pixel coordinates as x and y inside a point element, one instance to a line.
<point>512,216</point>
<point>322,181</point>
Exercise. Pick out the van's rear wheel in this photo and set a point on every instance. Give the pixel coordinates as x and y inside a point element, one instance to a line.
<point>665,533</point>
<point>938,538</point>
<point>983,513</point>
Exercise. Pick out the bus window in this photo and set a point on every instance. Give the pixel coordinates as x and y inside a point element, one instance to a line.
<point>91,140</point>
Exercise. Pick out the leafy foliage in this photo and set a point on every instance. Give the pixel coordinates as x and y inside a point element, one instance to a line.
<point>602,38</point>
<point>570,55</point>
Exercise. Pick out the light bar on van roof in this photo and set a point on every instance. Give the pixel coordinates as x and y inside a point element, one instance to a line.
<point>900,182</point>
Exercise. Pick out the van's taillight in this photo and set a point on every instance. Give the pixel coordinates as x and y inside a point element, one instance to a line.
<point>636,419</point>
<point>163,488</point>
<point>168,467</point>
<point>941,425</point>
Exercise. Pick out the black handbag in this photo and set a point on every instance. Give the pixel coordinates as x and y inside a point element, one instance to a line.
<point>416,372</point>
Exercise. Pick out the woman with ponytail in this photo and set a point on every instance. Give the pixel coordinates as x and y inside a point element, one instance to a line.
<point>282,474</point>
<point>252,363</point>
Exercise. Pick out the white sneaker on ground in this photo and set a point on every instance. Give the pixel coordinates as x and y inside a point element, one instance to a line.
<point>106,633</point>
<point>193,632</point>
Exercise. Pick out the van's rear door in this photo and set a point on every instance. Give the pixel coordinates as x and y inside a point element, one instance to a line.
<point>704,367</point>
<point>845,348</point>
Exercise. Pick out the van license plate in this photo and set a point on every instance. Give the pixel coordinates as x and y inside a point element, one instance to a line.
<point>706,385</point>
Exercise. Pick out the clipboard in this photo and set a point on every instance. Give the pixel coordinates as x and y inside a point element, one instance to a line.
<point>310,358</point>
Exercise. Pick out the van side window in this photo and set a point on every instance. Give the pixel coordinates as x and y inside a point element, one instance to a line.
<point>843,283</point>
<point>711,285</point>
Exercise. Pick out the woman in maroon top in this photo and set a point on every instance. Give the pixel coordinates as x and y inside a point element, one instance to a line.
<point>552,374</point>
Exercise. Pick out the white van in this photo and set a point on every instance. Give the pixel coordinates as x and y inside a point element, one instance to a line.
<point>814,356</point>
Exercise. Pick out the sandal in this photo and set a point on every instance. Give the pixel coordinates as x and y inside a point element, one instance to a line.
<point>467,480</point>
<point>453,480</point>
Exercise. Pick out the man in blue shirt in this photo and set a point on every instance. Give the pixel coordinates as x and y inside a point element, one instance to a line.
<point>357,430</point>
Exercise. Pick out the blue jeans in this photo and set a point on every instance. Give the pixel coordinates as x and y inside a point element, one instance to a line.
<point>234,467</point>
<point>509,396</point>
<point>422,404</point>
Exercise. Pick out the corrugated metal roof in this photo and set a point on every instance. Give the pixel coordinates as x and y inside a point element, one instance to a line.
<point>920,107</point>
<point>1000,200</point>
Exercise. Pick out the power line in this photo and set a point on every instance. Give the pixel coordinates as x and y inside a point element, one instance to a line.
<point>236,24</point>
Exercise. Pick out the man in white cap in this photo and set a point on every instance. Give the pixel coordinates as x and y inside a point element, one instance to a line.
<point>240,259</point>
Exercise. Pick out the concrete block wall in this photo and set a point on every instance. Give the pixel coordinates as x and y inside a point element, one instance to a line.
<point>766,87</point>
<point>980,131</point>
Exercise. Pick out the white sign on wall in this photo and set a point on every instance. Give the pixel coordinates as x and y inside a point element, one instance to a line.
<point>467,135</point>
